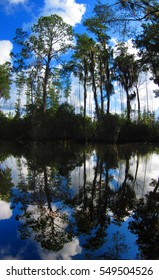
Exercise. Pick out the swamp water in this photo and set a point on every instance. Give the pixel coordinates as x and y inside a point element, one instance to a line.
<point>79,202</point>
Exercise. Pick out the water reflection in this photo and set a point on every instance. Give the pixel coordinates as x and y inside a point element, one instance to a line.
<point>78,202</point>
<point>145,223</point>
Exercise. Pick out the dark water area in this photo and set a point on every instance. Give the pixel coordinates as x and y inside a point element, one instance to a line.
<point>66,201</point>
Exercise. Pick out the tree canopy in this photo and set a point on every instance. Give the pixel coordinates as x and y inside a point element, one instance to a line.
<point>5,80</point>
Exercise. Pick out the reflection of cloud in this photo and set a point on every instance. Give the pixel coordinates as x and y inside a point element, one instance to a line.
<point>44,212</point>
<point>77,175</point>
<point>7,254</point>
<point>70,249</point>
<point>5,211</point>
<point>11,162</point>
<point>148,169</point>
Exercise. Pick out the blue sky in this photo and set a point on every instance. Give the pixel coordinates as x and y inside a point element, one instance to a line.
<point>20,13</point>
<point>24,13</point>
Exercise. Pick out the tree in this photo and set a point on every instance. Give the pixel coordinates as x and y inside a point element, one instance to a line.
<point>94,78</point>
<point>123,15</point>
<point>148,42</point>
<point>5,80</point>
<point>80,63</point>
<point>104,57</point>
<point>40,55</point>
<point>125,68</point>
<point>51,38</point>
<point>140,10</point>
<point>84,66</point>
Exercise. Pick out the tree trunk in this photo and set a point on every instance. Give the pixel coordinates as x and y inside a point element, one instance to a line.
<point>128,104</point>
<point>94,88</point>
<point>45,83</point>
<point>107,86</point>
<point>138,102</point>
<point>85,86</point>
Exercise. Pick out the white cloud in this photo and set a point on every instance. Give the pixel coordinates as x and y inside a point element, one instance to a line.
<point>69,10</point>
<point>5,49</point>
<point>128,44</point>
<point>10,6</point>
<point>5,212</point>
<point>131,48</point>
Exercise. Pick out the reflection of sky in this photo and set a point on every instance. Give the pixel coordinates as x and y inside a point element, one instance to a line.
<point>11,162</point>
<point>128,238</point>
<point>77,175</point>
<point>12,247</point>
<point>148,169</point>
<point>69,250</point>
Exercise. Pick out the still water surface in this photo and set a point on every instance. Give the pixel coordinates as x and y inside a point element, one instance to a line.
<point>79,202</point>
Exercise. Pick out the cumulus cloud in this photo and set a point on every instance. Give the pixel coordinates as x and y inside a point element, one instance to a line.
<point>5,212</point>
<point>5,49</point>
<point>69,10</point>
<point>128,44</point>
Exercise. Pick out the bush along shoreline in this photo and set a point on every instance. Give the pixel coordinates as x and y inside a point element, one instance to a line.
<point>65,125</point>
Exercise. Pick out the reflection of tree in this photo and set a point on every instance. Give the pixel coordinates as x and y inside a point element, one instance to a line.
<point>47,226</point>
<point>146,224</point>
<point>93,201</point>
<point>124,200</point>
<point>39,217</point>
<point>45,192</point>
<point>5,183</point>
<point>119,247</point>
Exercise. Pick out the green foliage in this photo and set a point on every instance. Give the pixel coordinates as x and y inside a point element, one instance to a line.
<point>37,61</point>
<point>65,125</point>
<point>5,183</point>
<point>107,130</point>
<point>132,132</point>
<point>4,121</point>
<point>5,80</point>
<point>147,42</point>
<point>126,72</point>
<point>15,128</point>
<point>62,124</point>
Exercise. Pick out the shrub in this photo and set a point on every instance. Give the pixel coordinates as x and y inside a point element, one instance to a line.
<point>107,129</point>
